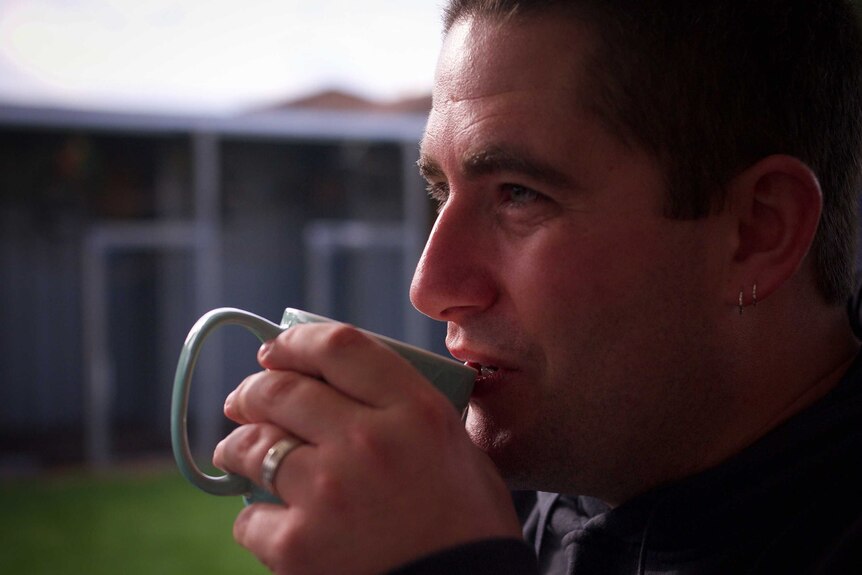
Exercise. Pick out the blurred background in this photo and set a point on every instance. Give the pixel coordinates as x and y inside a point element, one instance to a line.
<point>159,159</point>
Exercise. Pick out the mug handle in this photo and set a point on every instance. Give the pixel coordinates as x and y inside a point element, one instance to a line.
<point>229,483</point>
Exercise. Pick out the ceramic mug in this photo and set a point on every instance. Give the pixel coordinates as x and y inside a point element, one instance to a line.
<point>454,379</point>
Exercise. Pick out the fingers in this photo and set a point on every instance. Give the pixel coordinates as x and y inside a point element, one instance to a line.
<point>346,508</point>
<point>346,358</point>
<point>320,377</point>
<point>285,549</point>
<point>243,452</point>
<point>305,405</point>
<point>384,446</point>
<point>273,458</point>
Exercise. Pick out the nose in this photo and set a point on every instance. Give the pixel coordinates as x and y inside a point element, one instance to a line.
<point>454,277</point>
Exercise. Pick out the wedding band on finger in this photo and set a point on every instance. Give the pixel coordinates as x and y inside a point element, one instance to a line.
<point>273,458</point>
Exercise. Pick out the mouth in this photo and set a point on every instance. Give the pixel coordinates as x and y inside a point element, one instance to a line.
<point>488,376</point>
<point>484,370</point>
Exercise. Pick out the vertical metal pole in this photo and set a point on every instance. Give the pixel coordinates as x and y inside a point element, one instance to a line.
<point>320,293</point>
<point>210,392</point>
<point>174,295</point>
<point>98,372</point>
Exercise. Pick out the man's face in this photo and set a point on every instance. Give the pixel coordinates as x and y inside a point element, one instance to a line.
<point>555,269</point>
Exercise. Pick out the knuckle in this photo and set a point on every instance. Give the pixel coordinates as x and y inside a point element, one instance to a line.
<point>328,490</point>
<point>432,411</point>
<point>290,547</point>
<point>284,547</point>
<point>248,437</point>
<point>239,394</point>
<point>275,386</point>
<point>375,450</point>
<point>367,443</point>
<point>231,454</point>
<point>343,336</point>
<point>259,392</point>
<point>244,392</point>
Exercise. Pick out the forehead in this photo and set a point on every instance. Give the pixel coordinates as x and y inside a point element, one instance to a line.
<point>512,84</point>
<point>495,54</point>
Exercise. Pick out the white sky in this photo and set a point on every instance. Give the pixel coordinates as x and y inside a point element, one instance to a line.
<point>212,56</point>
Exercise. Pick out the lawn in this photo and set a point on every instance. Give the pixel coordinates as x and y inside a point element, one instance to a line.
<point>129,522</point>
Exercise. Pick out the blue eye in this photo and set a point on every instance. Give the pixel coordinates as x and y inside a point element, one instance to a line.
<point>520,195</point>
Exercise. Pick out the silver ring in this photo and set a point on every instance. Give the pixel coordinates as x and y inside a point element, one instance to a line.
<point>273,458</point>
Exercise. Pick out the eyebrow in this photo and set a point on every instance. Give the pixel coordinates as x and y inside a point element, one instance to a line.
<point>496,160</point>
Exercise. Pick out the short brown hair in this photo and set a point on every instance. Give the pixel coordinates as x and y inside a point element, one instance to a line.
<point>709,87</point>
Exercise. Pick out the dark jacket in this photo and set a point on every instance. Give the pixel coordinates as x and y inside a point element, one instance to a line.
<point>791,503</point>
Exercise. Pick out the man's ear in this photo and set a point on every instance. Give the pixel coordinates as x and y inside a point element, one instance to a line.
<point>776,204</point>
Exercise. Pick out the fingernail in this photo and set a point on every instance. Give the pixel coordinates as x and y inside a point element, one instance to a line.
<point>264,349</point>
<point>228,402</point>
<point>240,525</point>
<point>217,454</point>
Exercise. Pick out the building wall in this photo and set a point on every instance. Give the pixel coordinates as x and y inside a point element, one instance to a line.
<point>58,185</point>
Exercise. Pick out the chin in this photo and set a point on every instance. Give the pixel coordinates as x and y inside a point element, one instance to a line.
<point>503,448</point>
<point>492,438</point>
<point>526,461</point>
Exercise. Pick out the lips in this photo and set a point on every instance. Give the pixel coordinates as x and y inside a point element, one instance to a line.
<point>490,377</point>
<point>493,371</point>
<point>484,370</point>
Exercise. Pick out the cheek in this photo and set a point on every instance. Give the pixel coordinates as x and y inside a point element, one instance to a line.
<point>587,271</point>
<point>558,291</point>
<point>593,291</point>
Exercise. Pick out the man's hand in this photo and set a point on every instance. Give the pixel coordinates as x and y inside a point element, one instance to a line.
<point>387,473</point>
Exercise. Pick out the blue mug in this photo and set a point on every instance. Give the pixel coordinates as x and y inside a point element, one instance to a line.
<point>454,379</point>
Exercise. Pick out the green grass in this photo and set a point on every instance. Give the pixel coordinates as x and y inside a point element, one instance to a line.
<point>123,522</point>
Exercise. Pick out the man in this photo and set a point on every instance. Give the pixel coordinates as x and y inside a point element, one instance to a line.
<point>645,241</point>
